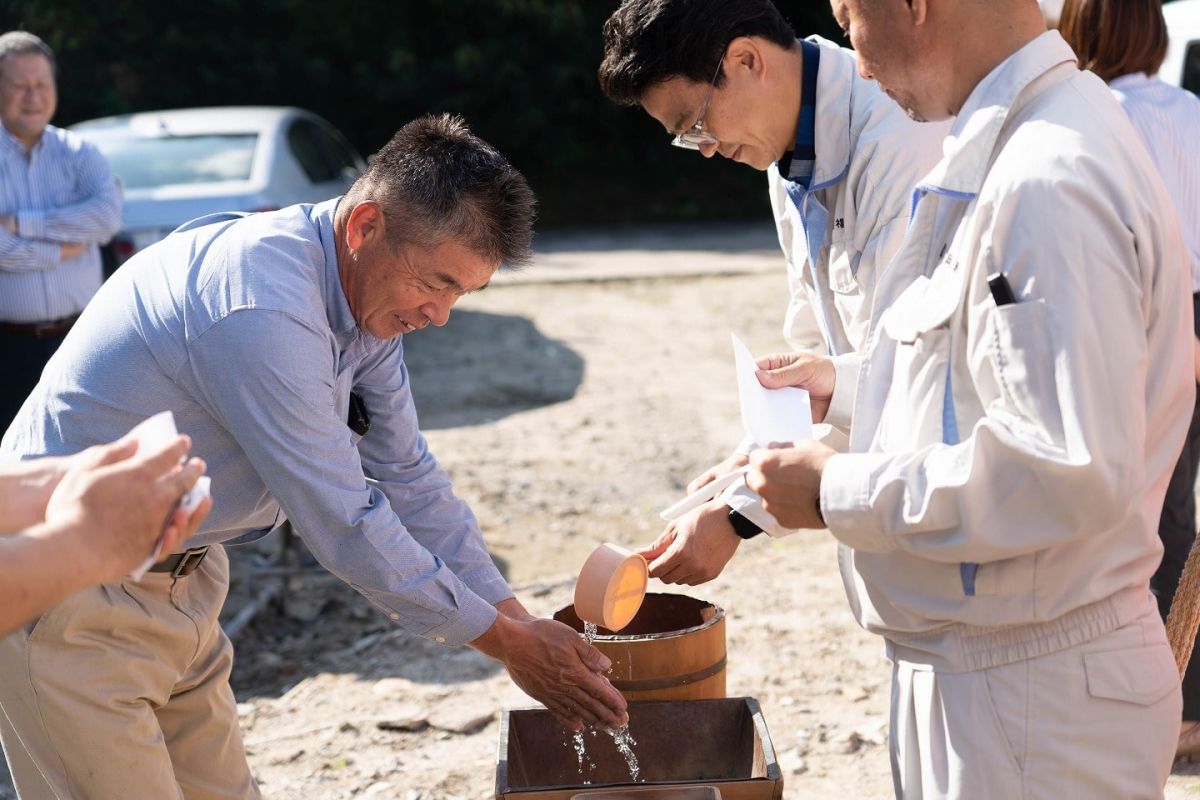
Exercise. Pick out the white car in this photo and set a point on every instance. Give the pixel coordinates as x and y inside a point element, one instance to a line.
<point>178,165</point>
<point>1182,65</point>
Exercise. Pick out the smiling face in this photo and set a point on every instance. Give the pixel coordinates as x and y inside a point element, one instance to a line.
<point>745,114</point>
<point>887,36</point>
<point>393,290</point>
<point>27,96</point>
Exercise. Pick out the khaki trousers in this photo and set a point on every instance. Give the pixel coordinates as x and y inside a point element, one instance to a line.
<point>1097,720</point>
<point>122,691</point>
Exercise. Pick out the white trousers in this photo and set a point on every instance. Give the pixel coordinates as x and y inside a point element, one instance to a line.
<point>1097,720</point>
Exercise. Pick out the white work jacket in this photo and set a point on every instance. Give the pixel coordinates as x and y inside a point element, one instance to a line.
<point>1009,461</point>
<point>839,234</point>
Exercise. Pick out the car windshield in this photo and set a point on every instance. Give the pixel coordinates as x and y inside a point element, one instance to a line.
<point>143,162</point>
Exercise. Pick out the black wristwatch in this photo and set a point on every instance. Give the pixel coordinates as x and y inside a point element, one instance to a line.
<point>742,526</point>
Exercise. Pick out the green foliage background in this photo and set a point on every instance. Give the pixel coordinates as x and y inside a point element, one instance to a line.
<point>521,71</point>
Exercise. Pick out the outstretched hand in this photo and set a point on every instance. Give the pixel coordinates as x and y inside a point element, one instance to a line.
<point>695,548</point>
<point>551,663</point>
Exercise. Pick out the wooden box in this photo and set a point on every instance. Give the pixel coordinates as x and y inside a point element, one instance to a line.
<point>680,743</point>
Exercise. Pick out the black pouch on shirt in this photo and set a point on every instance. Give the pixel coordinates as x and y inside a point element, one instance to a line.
<point>358,419</point>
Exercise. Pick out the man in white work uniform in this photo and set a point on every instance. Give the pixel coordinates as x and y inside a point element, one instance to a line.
<point>729,77</point>
<point>1017,411</point>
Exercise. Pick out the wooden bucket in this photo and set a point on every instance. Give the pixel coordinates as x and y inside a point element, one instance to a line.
<point>674,649</point>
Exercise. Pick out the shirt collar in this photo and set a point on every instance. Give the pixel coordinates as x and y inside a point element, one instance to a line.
<point>798,163</point>
<point>13,143</point>
<point>337,307</point>
<point>969,146</point>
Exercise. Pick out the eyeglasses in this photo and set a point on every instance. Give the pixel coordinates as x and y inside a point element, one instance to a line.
<point>696,137</point>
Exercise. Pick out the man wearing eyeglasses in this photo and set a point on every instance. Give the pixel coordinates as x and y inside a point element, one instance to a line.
<point>729,77</point>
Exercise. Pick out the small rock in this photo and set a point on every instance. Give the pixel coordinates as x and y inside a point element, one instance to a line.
<point>845,744</point>
<point>863,693</point>
<point>378,789</point>
<point>461,719</point>
<point>245,709</point>
<point>793,763</point>
<point>410,721</point>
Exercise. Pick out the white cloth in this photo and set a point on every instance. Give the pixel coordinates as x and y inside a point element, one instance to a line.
<point>1070,406</point>
<point>1168,120</point>
<point>869,156</point>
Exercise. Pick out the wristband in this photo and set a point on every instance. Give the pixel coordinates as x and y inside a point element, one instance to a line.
<point>743,527</point>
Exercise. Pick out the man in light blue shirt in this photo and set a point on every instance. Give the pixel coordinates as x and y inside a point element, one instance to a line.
<point>58,202</point>
<point>276,340</point>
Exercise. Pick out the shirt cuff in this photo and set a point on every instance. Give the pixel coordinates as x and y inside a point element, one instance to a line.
<point>742,499</point>
<point>846,501</point>
<point>845,387</point>
<point>31,224</point>
<point>493,589</point>
<point>467,623</point>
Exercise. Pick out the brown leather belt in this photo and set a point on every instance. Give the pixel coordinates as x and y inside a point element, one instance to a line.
<point>39,330</point>
<point>182,564</point>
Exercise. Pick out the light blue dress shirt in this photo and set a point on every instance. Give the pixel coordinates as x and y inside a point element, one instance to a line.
<point>240,327</point>
<point>62,192</point>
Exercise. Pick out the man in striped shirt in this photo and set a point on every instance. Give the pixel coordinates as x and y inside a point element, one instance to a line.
<point>58,203</point>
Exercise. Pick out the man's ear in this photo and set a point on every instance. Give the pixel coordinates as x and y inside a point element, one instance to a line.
<point>366,223</point>
<point>919,10</point>
<point>744,54</point>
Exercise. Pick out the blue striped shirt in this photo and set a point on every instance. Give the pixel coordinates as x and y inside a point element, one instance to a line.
<point>62,193</point>
<point>1168,120</point>
<point>241,328</point>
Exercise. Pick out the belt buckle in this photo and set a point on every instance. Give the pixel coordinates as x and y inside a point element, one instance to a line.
<point>188,563</point>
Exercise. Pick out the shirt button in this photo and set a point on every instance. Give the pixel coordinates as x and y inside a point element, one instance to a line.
<point>394,616</point>
<point>440,639</point>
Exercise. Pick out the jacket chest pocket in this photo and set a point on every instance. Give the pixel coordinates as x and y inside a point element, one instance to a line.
<point>918,411</point>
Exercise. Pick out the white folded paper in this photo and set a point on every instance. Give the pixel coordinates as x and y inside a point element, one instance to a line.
<point>768,415</point>
<point>151,434</point>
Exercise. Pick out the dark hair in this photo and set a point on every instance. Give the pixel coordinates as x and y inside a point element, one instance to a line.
<point>649,41</point>
<point>1115,37</point>
<point>436,180</point>
<point>19,43</point>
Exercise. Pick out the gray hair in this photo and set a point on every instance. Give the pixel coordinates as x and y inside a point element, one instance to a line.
<point>19,43</point>
<point>435,180</point>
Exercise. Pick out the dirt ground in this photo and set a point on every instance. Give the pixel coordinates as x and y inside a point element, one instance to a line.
<point>568,414</point>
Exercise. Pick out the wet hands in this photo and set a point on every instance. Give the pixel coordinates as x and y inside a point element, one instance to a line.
<point>696,547</point>
<point>788,479</point>
<point>552,664</point>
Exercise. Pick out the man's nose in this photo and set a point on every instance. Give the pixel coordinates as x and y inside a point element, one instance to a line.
<point>709,150</point>
<point>438,311</point>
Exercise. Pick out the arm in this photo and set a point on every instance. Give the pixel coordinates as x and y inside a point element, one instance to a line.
<point>396,458</point>
<point>279,405</point>
<point>1071,419</point>
<point>92,219</point>
<point>18,254</point>
<point>102,519</point>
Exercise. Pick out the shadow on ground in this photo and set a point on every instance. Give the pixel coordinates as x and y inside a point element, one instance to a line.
<point>483,367</point>
<point>317,624</point>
